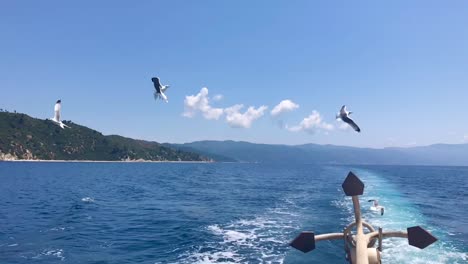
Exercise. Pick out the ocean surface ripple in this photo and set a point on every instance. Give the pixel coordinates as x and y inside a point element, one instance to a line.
<point>218,213</point>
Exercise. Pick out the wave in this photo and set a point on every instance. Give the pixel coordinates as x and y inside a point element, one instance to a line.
<point>260,239</point>
<point>87,200</point>
<point>46,254</point>
<point>58,253</point>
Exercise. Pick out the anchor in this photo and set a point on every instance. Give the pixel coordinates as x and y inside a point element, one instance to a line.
<point>360,246</point>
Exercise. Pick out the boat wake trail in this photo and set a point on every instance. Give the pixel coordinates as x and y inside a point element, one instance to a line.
<point>261,239</point>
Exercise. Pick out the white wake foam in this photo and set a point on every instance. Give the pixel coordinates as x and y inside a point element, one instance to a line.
<point>260,239</point>
<point>49,253</point>
<point>87,199</point>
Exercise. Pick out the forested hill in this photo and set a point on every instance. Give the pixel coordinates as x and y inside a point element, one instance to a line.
<point>24,137</point>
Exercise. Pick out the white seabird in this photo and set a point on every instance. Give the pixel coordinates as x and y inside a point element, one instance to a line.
<point>56,118</point>
<point>344,115</point>
<point>160,89</point>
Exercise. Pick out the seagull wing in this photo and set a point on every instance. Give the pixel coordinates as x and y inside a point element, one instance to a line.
<point>343,110</point>
<point>157,84</point>
<point>62,125</point>
<point>57,112</point>
<point>350,122</point>
<point>164,97</point>
<point>164,88</point>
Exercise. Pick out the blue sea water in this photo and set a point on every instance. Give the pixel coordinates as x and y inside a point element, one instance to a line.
<point>218,213</point>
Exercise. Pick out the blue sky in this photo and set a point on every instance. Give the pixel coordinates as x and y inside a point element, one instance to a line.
<point>400,66</point>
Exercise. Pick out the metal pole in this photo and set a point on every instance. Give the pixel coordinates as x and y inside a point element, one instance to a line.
<point>361,238</point>
<point>380,239</point>
<point>329,236</point>
<point>386,234</point>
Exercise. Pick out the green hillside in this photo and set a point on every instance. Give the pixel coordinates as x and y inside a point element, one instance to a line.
<point>24,137</point>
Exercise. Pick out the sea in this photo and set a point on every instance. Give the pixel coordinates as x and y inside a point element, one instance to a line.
<point>58,212</point>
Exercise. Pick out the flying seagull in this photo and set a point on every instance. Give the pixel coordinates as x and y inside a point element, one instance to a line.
<point>56,118</point>
<point>160,89</point>
<point>344,115</point>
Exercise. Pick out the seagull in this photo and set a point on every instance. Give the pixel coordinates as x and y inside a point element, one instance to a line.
<point>344,115</point>
<point>160,89</point>
<point>56,118</point>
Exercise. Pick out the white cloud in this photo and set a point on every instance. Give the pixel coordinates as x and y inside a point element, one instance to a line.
<point>284,106</point>
<point>465,138</point>
<point>311,124</point>
<point>237,119</point>
<point>218,97</point>
<point>201,103</point>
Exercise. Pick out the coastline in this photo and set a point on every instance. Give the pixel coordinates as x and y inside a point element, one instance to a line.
<point>109,161</point>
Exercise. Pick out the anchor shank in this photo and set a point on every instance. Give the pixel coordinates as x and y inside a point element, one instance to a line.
<point>329,236</point>
<point>361,238</point>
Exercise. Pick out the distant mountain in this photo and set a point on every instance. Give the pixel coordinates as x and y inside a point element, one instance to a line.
<point>439,154</point>
<point>24,137</point>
